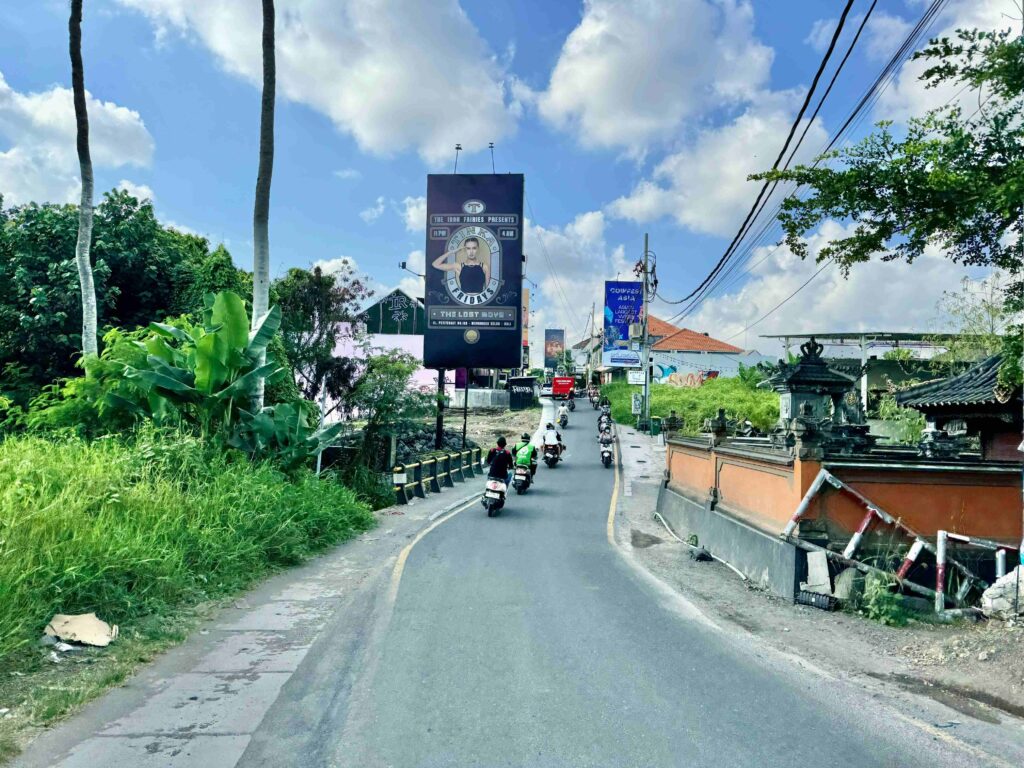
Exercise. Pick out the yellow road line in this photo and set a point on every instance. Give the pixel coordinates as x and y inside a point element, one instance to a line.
<point>615,498</point>
<point>396,574</point>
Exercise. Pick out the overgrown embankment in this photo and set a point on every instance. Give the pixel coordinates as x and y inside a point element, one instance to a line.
<point>739,398</point>
<point>141,527</point>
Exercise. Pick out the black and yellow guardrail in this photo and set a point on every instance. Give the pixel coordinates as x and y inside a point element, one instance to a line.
<point>418,479</point>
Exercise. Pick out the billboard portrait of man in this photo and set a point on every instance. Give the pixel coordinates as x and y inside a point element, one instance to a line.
<point>472,272</point>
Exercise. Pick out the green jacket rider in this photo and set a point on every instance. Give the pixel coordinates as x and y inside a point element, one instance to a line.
<point>526,453</point>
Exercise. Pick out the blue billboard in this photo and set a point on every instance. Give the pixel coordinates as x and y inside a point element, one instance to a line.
<point>623,305</point>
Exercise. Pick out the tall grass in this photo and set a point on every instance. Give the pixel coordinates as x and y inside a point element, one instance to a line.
<point>131,529</point>
<point>694,404</point>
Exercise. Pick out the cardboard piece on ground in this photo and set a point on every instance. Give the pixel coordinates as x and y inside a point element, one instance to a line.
<point>817,574</point>
<point>83,628</point>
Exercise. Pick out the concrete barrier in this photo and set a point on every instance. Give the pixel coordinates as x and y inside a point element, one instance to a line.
<point>481,398</point>
<point>775,565</point>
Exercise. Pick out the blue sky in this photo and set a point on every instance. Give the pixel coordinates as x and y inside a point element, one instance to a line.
<point>625,117</point>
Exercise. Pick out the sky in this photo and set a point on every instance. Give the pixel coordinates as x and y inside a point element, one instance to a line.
<point>626,116</point>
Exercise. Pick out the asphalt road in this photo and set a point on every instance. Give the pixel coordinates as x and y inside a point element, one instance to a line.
<point>528,640</point>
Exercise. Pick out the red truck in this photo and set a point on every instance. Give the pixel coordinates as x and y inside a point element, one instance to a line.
<point>561,387</point>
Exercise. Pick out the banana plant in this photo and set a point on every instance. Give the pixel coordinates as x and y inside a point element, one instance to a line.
<point>205,373</point>
<point>285,432</point>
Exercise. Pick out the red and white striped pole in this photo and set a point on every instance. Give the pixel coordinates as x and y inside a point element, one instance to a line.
<point>940,571</point>
<point>805,503</point>
<point>851,547</point>
<point>910,559</point>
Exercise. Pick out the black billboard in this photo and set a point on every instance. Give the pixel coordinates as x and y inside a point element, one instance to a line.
<point>474,271</point>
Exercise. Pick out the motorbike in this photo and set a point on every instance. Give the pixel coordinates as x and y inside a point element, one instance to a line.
<point>522,479</point>
<point>552,456</point>
<point>604,421</point>
<point>563,421</point>
<point>606,453</point>
<point>494,496</point>
<point>572,404</point>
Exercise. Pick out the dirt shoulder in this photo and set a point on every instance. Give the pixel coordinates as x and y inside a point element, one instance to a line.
<point>485,427</point>
<point>976,669</point>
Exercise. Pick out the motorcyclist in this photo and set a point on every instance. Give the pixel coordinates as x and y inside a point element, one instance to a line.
<point>553,437</point>
<point>500,462</point>
<point>563,410</point>
<point>526,454</point>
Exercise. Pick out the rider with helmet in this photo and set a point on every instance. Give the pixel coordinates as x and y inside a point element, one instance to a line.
<point>526,454</point>
<point>553,437</point>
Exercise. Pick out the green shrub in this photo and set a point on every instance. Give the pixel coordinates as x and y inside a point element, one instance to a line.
<point>906,423</point>
<point>739,398</point>
<point>370,487</point>
<point>881,603</point>
<point>132,529</point>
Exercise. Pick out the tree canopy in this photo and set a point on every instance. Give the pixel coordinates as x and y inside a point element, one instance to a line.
<point>952,180</point>
<point>320,310</point>
<point>142,270</point>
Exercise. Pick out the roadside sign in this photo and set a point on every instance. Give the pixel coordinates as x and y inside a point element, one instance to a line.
<point>638,404</point>
<point>635,377</point>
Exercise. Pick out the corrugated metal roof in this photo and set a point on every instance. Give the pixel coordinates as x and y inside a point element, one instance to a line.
<point>975,386</point>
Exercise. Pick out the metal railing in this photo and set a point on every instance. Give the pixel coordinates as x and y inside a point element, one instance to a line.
<point>432,474</point>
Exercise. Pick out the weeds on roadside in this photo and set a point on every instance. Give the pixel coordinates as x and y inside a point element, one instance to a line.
<point>880,603</point>
<point>130,529</point>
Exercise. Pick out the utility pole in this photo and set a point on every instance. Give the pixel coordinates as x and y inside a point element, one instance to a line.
<point>645,352</point>
<point>590,346</point>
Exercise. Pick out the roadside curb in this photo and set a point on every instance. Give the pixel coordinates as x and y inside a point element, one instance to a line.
<point>445,510</point>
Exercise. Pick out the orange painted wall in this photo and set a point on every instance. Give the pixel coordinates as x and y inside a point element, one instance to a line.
<point>970,503</point>
<point>766,494</point>
<point>691,471</point>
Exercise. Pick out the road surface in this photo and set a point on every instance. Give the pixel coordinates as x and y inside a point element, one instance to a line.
<point>528,640</point>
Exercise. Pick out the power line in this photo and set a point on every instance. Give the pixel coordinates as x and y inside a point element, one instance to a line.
<point>774,309</point>
<point>869,98</point>
<point>745,228</point>
<point>792,130</point>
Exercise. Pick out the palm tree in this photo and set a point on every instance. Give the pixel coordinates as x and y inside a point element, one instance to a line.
<point>89,343</point>
<point>261,209</point>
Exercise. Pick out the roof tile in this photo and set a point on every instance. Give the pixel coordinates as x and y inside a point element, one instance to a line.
<point>685,340</point>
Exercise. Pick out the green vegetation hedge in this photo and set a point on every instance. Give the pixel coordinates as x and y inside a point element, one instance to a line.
<point>741,399</point>
<point>129,530</point>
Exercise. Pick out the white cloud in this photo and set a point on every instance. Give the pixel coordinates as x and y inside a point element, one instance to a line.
<point>41,161</point>
<point>140,192</point>
<point>396,75</point>
<point>885,34</point>
<point>415,213</point>
<point>821,34</point>
<point>348,174</point>
<point>907,96</point>
<point>332,266</point>
<point>371,214</point>
<point>704,186</point>
<point>631,74</point>
<point>184,229</point>
<point>582,261</point>
<point>901,296</point>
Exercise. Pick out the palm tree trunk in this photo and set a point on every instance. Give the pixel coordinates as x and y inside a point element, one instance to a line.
<point>89,343</point>
<point>261,209</point>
